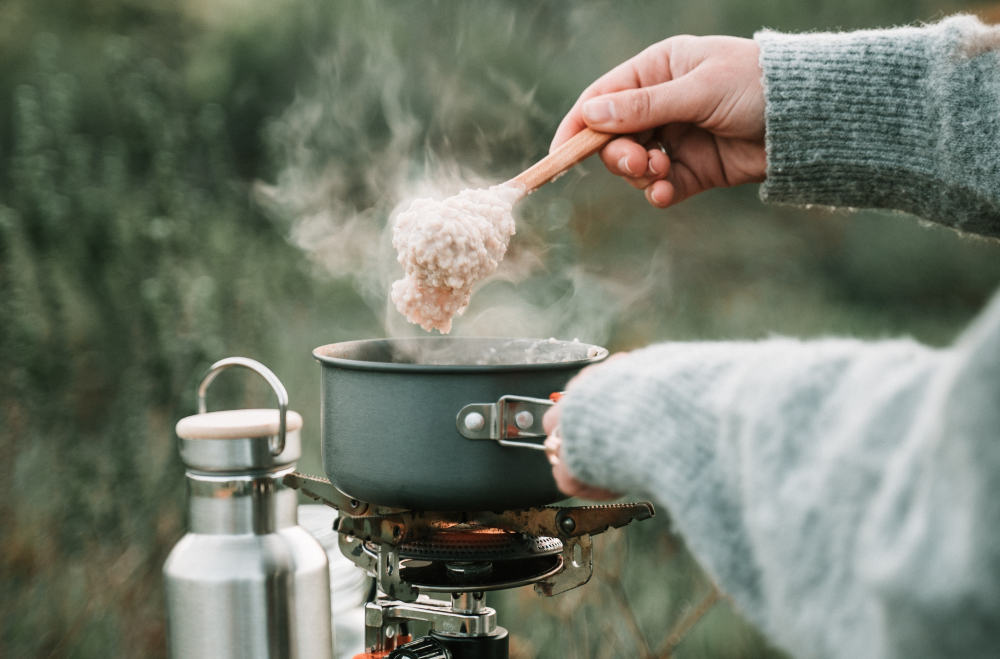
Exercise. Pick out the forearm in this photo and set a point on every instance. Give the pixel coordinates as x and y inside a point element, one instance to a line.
<point>746,445</point>
<point>825,485</point>
<point>904,119</point>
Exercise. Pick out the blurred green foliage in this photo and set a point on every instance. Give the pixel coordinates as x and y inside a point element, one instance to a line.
<point>136,247</point>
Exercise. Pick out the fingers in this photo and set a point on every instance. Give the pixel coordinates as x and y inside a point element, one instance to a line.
<point>693,166</point>
<point>571,124</point>
<point>684,100</point>
<point>551,420</point>
<point>565,481</point>
<point>642,168</point>
<point>639,165</point>
<point>625,157</point>
<point>658,164</point>
<point>661,194</point>
<point>627,75</point>
<point>570,486</point>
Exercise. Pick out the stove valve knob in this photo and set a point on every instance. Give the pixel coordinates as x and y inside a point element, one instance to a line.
<point>423,648</point>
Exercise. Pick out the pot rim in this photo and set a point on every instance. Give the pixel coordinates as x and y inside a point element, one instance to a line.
<point>322,355</point>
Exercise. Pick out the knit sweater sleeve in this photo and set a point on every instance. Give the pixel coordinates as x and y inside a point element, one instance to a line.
<point>904,119</point>
<point>845,494</point>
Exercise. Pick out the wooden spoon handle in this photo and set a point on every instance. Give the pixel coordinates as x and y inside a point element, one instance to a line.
<point>577,148</point>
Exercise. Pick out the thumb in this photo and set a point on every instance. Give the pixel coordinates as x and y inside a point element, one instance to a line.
<point>683,100</point>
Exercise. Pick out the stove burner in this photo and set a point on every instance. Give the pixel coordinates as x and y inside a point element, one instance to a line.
<point>464,557</point>
<point>468,572</point>
<point>444,577</point>
<point>408,551</point>
<point>467,542</point>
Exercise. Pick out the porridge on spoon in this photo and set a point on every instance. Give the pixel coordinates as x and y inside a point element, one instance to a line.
<point>447,246</point>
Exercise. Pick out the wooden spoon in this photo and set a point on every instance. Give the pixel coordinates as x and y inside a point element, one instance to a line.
<point>577,148</point>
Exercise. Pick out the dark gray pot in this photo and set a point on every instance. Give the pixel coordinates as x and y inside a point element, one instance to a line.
<point>389,419</point>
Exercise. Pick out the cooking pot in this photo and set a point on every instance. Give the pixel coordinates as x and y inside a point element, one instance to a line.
<point>444,423</point>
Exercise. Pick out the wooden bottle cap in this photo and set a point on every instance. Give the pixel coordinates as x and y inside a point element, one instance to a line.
<point>235,424</point>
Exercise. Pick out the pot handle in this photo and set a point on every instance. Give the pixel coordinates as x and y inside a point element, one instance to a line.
<point>509,421</point>
<point>279,390</point>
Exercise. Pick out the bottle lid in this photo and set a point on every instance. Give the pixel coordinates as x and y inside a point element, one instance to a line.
<point>240,441</point>
<point>233,424</point>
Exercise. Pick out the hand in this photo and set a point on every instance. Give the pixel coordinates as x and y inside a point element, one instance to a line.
<point>699,98</point>
<point>565,481</point>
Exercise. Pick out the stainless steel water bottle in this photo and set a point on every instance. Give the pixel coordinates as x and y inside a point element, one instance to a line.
<point>246,581</point>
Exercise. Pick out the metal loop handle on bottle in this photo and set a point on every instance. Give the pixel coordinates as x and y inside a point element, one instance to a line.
<point>264,372</point>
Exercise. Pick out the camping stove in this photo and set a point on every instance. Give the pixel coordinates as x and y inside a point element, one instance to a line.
<point>248,582</point>
<point>436,567</point>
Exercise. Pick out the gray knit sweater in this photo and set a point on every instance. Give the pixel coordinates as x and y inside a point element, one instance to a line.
<point>845,494</point>
<point>905,119</point>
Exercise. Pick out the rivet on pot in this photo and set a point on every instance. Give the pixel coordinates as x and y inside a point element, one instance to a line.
<point>475,421</point>
<point>524,419</point>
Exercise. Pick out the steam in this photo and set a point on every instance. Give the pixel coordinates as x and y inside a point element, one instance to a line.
<point>381,127</point>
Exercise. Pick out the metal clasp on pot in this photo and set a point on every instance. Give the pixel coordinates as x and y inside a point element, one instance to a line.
<point>509,421</point>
